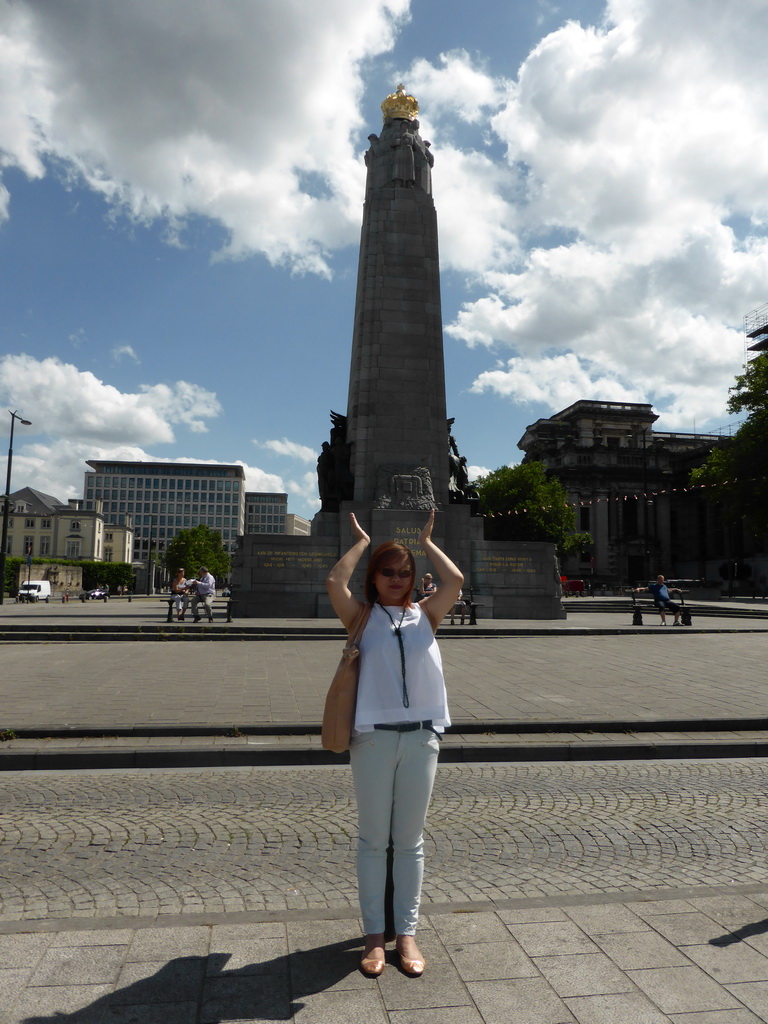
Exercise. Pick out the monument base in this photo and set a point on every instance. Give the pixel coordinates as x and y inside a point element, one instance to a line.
<point>279,576</point>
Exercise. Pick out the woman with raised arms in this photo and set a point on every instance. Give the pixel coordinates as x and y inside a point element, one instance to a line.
<point>401,710</point>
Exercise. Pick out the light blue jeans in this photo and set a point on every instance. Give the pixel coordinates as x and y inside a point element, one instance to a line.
<point>393,774</point>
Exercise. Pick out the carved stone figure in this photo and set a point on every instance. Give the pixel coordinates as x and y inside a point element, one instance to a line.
<point>326,478</point>
<point>399,157</point>
<point>404,487</point>
<point>335,480</point>
<point>404,169</point>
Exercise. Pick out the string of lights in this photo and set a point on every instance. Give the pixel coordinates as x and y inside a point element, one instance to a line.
<point>635,496</point>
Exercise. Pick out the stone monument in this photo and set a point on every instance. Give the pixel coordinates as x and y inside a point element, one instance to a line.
<point>393,455</point>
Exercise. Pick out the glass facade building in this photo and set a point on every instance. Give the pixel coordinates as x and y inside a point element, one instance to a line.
<point>265,511</point>
<point>162,498</point>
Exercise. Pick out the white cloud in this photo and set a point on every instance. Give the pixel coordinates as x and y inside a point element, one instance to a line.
<point>175,109</point>
<point>631,150</point>
<point>66,402</point>
<point>290,448</point>
<point>259,480</point>
<point>306,489</point>
<point>456,88</point>
<point>475,472</point>
<point>124,351</point>
<point>84,418</point>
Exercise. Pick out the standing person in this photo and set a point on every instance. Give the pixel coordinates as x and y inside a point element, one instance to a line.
<point>401,709</point>
<point>180,595</point>
<point>205,591</point>
<point>661,599</point>
<point>427,585</point>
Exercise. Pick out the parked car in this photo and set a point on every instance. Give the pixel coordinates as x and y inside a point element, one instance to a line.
<point>97,592</point>
<point>35,590</point>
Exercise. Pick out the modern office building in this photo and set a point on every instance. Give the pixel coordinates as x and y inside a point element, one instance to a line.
<point>265,511</point>
<point>297,526</point>
<point>162,498</point>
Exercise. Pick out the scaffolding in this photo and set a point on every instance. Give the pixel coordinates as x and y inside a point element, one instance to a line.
<point>756,330</point>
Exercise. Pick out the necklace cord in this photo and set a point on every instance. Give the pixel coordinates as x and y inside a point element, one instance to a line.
<point>396,628</point>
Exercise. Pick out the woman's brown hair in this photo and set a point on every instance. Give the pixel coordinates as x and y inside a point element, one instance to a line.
<point>384,555</point>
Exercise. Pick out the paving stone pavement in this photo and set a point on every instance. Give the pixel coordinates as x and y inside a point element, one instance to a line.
<point>556,893</point>
<point>593,893</point>
<point>152,843</point>
<point>648,677</point>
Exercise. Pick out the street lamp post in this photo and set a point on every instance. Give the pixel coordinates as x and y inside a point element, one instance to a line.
<point>7,502</point>
<point>150,563</point>
<point>647,506</point>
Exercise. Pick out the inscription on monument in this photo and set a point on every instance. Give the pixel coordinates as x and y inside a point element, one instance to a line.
<point>271,559</point>
<point>507,564</point>
<point>409,536</point>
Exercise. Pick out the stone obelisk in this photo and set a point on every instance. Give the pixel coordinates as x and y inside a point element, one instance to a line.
<point>396,415</point>
<point>391,457</point>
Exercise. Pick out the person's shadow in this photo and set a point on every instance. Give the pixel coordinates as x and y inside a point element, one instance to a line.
<point>205,990</point>
<point>755,928</point>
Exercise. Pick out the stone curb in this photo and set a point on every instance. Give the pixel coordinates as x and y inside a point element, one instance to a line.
<point>79,755</point>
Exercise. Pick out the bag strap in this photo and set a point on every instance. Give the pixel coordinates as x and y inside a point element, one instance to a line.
<point>358,626</point>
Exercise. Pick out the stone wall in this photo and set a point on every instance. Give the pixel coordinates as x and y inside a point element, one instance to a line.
<point>282,576</point>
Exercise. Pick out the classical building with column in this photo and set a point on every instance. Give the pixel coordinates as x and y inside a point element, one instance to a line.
<point>629,484</point>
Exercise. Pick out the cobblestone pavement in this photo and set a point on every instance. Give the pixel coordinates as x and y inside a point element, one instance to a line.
<point>654,676</point>
<point>154,843</point>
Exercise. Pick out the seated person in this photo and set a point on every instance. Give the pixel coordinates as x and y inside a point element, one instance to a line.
<point>427,585</point>
<point>660,593</point>
<point>459,609</point>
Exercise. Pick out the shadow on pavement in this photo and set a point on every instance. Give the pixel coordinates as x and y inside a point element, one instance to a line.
<point>259,991</point>
<point>756,928</point>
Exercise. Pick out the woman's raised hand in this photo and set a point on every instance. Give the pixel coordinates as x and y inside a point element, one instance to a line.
<point>426,533</point>
<point>357,531</point>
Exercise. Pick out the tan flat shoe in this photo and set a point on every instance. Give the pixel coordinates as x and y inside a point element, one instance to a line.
<point>413,967</point>
<point>372,966</point>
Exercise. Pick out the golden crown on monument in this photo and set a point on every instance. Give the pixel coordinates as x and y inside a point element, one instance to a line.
<point>400,104</point>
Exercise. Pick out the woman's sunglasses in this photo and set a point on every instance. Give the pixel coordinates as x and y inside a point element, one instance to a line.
<point>402,573</point>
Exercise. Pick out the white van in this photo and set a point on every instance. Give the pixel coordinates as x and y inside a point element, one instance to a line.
<point>35,590</point>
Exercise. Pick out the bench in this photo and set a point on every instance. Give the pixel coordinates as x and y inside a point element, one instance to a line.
<point>171,603</point>
<point>646,600</point>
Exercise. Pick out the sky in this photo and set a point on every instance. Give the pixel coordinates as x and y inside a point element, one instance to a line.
<point>181,190</point>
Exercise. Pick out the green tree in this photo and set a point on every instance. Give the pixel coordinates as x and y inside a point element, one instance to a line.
<point>734,472</point>
<point>199,546</point>
<point>113,574</point>
<point>523,503</point>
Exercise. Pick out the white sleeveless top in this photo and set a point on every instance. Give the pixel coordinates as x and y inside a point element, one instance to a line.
<point>380,689</point>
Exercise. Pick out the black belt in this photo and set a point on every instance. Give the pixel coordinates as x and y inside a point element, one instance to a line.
<point>408,727</point>
<point>404,726</point>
